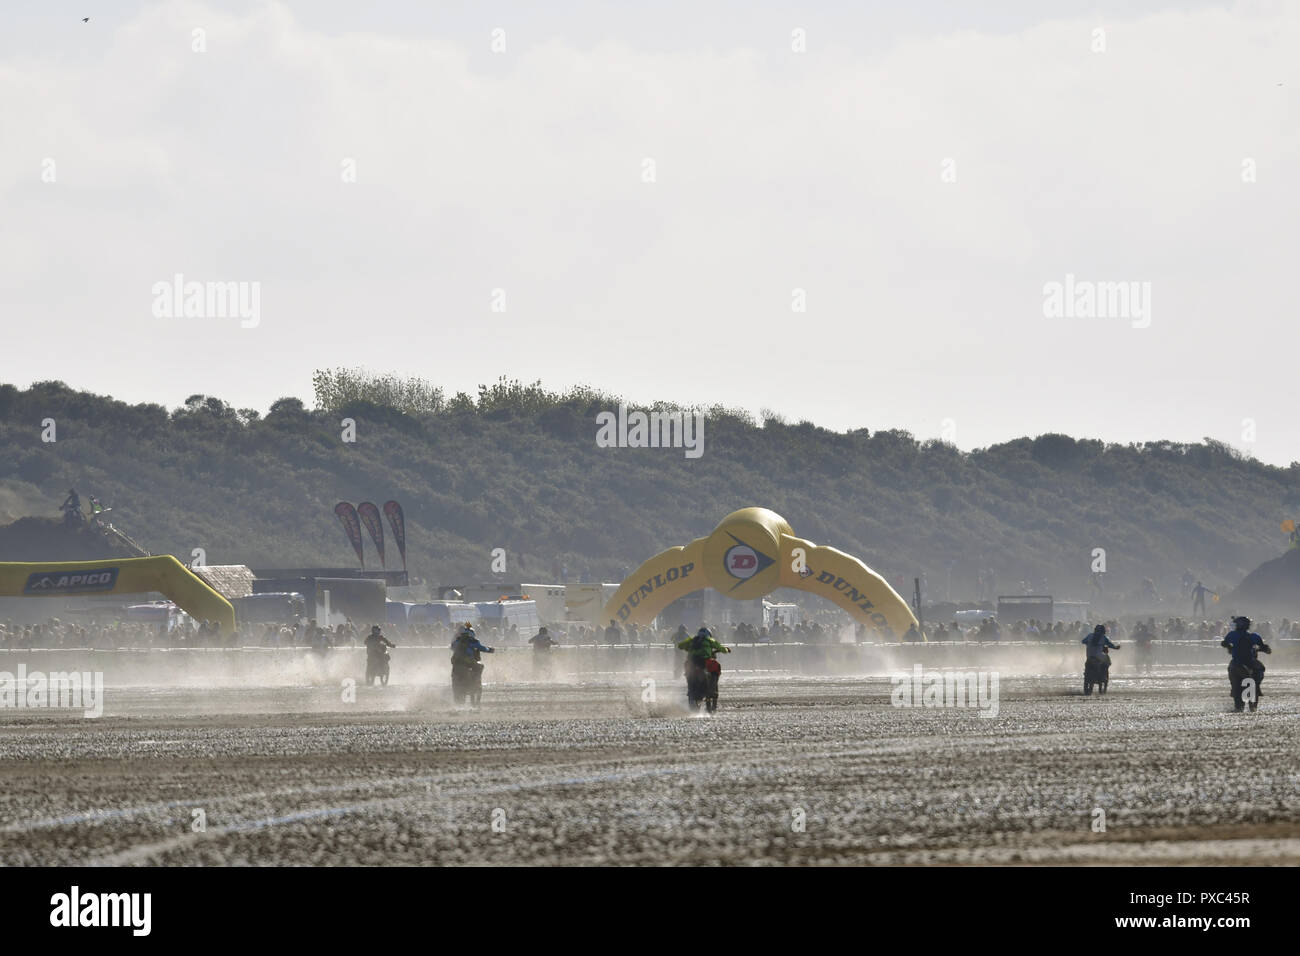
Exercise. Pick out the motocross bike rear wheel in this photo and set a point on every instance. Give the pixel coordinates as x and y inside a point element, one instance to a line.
<point>697,688</point>
<point>459,684</point>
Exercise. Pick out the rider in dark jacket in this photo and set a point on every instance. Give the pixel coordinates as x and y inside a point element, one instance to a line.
<point>1098,645</point>
<point>542,641</point>
<point>466,671</point>
<point>376,642</point>
<point>1244,646</point>
<point>376,653</point>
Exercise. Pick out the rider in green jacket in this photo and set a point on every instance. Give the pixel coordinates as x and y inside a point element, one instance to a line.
<point>702,646</point>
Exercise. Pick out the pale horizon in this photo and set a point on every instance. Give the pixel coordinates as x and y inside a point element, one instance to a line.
<point>915,179</point>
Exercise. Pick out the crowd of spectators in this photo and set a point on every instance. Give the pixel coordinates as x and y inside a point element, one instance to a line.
<point>55,633</point>
<point>1172,629</point>
<point>140,635</point>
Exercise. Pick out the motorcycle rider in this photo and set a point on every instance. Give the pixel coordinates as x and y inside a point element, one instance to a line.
<point>1143,635</point>
<point>542,643</point>
<point>1097,644</point>
<point>318,638</point>
<point>376,655</point>
<point>1244,647</point>
<point>700,649</point>
<point>466,668</point>
<point>466,644</point>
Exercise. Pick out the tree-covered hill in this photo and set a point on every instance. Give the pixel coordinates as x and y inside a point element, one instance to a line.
<point>517,467</point>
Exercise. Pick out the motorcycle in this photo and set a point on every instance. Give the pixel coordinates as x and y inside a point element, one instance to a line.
<point>1238,674</point>
<point>377,668</point>
<point>467,681</point>
<point>542,667</point>
<point>702,684</point>
<point>1145,658</point>
<point>1096,673</point>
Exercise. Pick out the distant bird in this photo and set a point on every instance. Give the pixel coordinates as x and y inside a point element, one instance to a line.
<point>85,19</point>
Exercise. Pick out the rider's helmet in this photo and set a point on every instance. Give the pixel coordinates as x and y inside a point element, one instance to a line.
<point>1100,630</point>
<point>466,629</point>
<point>1241,621</point>
<point>374,629</point>
<point>704,632</point>
<point>542,629</point>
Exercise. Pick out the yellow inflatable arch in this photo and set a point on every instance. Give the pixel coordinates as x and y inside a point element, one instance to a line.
<point>164,574</point>
<point>752,552</point>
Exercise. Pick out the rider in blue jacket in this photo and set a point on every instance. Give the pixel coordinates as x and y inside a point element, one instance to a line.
<point>1097,642</point>
<point>466,645</point>
<point>1244,646</point>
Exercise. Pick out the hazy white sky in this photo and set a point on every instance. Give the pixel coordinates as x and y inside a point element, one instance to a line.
<point>774,170</point>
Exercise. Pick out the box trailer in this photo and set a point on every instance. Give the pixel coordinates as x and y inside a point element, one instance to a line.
<point>1070,612</point>
<point>1024,607</point>
<point>270,607</point>
<point>783,613</point>
<point>502,614</point>
<point>550,601</point>
<point>450,613</point>
<point>360,600</point>
<point>398,612</point>
<point>583,603</point>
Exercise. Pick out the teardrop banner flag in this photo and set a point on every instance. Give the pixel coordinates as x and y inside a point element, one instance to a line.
<point>398,523</point>
<point>369,515</point>
<point>351,527</point>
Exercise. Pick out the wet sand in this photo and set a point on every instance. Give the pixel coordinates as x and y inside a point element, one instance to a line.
<point>791,770</point>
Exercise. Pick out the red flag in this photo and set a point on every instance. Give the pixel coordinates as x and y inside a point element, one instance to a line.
<point>351,527</point>
<point>398,523</point>
<point>369,515</point>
